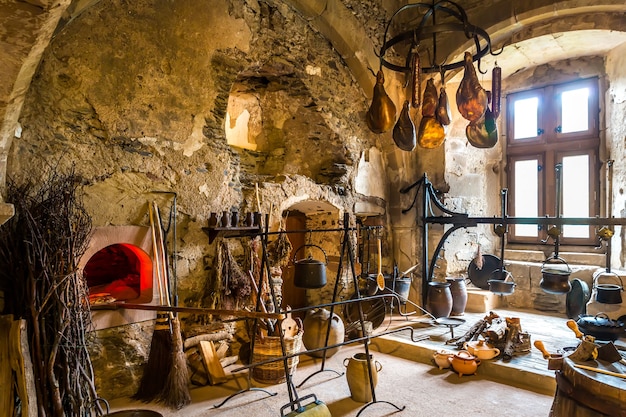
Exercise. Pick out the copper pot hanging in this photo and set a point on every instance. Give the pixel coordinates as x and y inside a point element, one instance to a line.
<point>555,276</point>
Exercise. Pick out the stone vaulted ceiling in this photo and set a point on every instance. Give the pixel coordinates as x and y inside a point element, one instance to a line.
<point>533,33</point>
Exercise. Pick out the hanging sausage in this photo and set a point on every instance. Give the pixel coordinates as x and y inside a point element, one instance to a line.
<point>416,79</point>
<point>471,98</point>
<point>496,89</point>
<point>404,130</point>
<point>381,115</point>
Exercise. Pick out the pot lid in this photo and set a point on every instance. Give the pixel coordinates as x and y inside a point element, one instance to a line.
<point>480,345</point>
<point>480,277</point>
<point>576,299</point>
<point>599,320</point>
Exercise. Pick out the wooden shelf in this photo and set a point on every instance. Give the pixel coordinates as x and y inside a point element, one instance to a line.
<point>243,231</point>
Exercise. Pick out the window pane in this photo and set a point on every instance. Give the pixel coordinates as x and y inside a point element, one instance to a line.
<point>574,110</point>
<point>526,195</point>
<point>575,183</point>
<point>525,123</point>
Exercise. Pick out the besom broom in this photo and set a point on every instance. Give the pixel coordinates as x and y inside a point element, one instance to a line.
<point>159,363</point>
<point>175,393</point>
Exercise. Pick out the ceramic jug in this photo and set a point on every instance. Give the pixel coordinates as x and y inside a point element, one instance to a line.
<point>358,376</point>
<point>316,325</point>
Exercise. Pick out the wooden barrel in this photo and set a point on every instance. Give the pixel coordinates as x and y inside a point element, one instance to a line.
<point>584,393</point>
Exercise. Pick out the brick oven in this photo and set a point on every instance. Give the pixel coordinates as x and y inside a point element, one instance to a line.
<point>118,263</point>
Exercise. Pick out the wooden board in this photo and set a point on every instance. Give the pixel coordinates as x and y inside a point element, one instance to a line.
<point>6,374</point>
<point>22,365</point>
<point>212,362</point>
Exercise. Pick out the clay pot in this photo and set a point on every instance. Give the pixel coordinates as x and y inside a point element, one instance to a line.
<point>441,358</point>
<point>458,289</point>
<point>482,350</point>
<point>316,325</point>
<point>439,302</point>
<point>464,363</point>
<point>358,376</point>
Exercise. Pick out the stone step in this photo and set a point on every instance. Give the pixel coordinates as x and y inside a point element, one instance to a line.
<point>481,301</point>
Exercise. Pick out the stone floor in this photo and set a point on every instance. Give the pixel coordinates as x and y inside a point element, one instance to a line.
<point>411,378</point>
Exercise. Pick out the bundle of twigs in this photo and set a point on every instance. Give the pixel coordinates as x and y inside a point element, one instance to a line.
<point>39,250</point>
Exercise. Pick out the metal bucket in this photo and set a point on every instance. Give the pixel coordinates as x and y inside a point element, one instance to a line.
<point>608,293</point>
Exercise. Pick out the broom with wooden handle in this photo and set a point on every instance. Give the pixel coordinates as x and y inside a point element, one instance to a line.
<point>175,393</point>
<point>159,362</point>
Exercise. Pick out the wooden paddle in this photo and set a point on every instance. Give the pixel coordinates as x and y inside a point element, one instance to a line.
<point>602,371</point>
<point>380,278</point>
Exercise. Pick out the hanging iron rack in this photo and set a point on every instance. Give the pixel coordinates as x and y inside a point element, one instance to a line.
<point>439,18</point>
<point>346,252</point>
<point>456,220</point>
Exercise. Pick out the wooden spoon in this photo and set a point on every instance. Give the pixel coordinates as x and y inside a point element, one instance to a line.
<point>380,278</point>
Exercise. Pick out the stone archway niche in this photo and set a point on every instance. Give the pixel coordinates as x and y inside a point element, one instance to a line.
<point>118,261</point>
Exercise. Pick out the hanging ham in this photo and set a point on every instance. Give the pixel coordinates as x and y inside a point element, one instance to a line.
<point>483,133</point>
<point>430,100</point>
<point>443,108</point>
<point>404,130</point>
<point>381,115</point>
<point>471,98</point>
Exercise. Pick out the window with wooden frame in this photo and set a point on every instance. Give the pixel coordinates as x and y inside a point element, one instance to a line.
<point>555,124</point>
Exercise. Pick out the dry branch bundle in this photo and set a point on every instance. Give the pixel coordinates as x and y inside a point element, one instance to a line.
<point>39,251</point>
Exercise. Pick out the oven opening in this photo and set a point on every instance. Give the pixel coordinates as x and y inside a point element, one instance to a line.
<point>121,271</point>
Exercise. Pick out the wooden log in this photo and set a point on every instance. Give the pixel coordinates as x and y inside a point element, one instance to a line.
<point>222,349</point>
<point>469,335</point>
<point>6,377</point>
<point>229,360</point>
<point>514,327</point>
<point>209,337</point>
<point>496,330</point>
<point>212,363</point>
<point>22,366</point>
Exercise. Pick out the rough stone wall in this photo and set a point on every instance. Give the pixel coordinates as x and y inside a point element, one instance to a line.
<point>615,99</point>
<point>136,93</point>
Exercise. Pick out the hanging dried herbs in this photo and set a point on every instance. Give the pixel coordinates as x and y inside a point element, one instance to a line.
<point>234,281</point>
<point>279,250</point>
